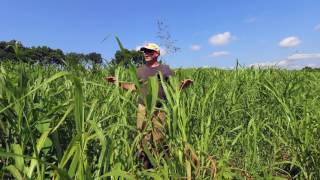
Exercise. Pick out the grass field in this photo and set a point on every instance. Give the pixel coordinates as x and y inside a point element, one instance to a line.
<point>230,124</point>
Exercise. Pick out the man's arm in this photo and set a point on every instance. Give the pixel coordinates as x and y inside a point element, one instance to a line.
<point>185,83</point>
<point>125,85</point>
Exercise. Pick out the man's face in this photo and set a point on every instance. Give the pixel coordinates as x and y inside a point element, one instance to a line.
<point>150,55</point>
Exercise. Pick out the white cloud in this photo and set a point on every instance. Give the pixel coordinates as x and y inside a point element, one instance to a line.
<point>291,41</point>
<point>138,47</point>
<point>317,28</point>
<point>219,53</point>
<point>195,47</point>
<point>294,61</point>
<point>301,56</point>
<point>221,39</point>
<point>263,64</point>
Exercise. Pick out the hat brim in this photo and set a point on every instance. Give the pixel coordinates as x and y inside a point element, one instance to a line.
<point>144,48</point>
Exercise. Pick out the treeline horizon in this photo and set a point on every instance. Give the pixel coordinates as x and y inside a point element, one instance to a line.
<point>15,51</point>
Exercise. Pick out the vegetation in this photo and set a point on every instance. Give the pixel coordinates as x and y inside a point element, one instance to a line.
<point>43,55</point>
<point>231,124</point>
<point>16,52</point>
<point>127,57</point>
<point>311,69</point>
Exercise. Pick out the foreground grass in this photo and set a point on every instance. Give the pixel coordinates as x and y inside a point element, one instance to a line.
<point>235,124</point>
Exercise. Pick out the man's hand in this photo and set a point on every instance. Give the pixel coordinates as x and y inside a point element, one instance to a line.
<point>111,79</point>
<point>186,83</point>
<point>128,86</point>
<point>124,85</point>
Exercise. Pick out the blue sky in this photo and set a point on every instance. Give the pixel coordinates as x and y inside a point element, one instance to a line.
<point>210,33</point>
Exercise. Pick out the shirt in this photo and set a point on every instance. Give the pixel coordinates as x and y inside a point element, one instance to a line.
<point>144,72</point>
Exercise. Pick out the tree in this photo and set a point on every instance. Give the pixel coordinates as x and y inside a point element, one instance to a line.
<point>125,56</point>
<point>94,58</point>
<point>307,68</point>
<point>7,51</point>
<point>74,58</point>
<point>44,55</point>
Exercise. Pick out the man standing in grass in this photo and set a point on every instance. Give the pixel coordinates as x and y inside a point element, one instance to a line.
<point>151,68</point>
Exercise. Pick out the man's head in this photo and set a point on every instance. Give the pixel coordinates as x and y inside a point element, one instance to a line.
<point>151,51</point>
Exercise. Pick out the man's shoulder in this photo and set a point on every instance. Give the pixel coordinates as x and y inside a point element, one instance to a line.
<point>165,67</point>
<point>167,70</point>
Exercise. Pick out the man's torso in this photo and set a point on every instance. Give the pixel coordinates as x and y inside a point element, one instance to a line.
<point>144,72</point>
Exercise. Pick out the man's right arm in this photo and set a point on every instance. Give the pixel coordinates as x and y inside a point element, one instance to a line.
<point>185,83</point>
<point>128,86</point>
<point>125,85</point>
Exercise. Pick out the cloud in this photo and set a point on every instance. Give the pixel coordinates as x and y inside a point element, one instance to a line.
<point>317,28</point>
<point>139,47</point>
<point>294,61</point>
<point>221,39</point>
<point>263,65</point>
<point>195,47</point>
<point>291,41</point>
<point>301,56</point>
<point>298,58</point>
<point>219,53</point>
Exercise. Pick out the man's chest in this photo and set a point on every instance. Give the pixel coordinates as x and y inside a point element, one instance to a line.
<point>144,75</point>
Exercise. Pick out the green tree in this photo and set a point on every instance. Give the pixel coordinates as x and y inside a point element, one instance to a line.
<point>44,55</point>
<point>94,58</point>
<point>125,56</point>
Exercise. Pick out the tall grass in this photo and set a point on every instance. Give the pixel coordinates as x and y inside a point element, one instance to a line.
<point>230,124</point>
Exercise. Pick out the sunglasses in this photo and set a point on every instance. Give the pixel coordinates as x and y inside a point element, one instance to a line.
<point>148,51</point>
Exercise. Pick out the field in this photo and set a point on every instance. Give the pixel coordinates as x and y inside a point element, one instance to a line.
<point>230,124</point>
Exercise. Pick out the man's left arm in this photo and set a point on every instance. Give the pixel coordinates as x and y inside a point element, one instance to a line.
<point>185,83</point>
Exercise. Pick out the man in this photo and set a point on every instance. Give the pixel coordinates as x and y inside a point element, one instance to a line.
<point>151,68</point>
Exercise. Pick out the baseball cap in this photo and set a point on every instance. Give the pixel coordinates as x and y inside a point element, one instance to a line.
<point>151,46</point>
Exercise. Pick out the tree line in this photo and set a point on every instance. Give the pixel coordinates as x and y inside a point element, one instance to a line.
<point>15,51</point>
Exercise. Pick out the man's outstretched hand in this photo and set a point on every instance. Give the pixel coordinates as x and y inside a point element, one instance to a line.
<point>186,83</point>
<point>111,79</point>
<point>125,85</point>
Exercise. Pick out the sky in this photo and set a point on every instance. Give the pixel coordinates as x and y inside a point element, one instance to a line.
<point>215,33</point>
